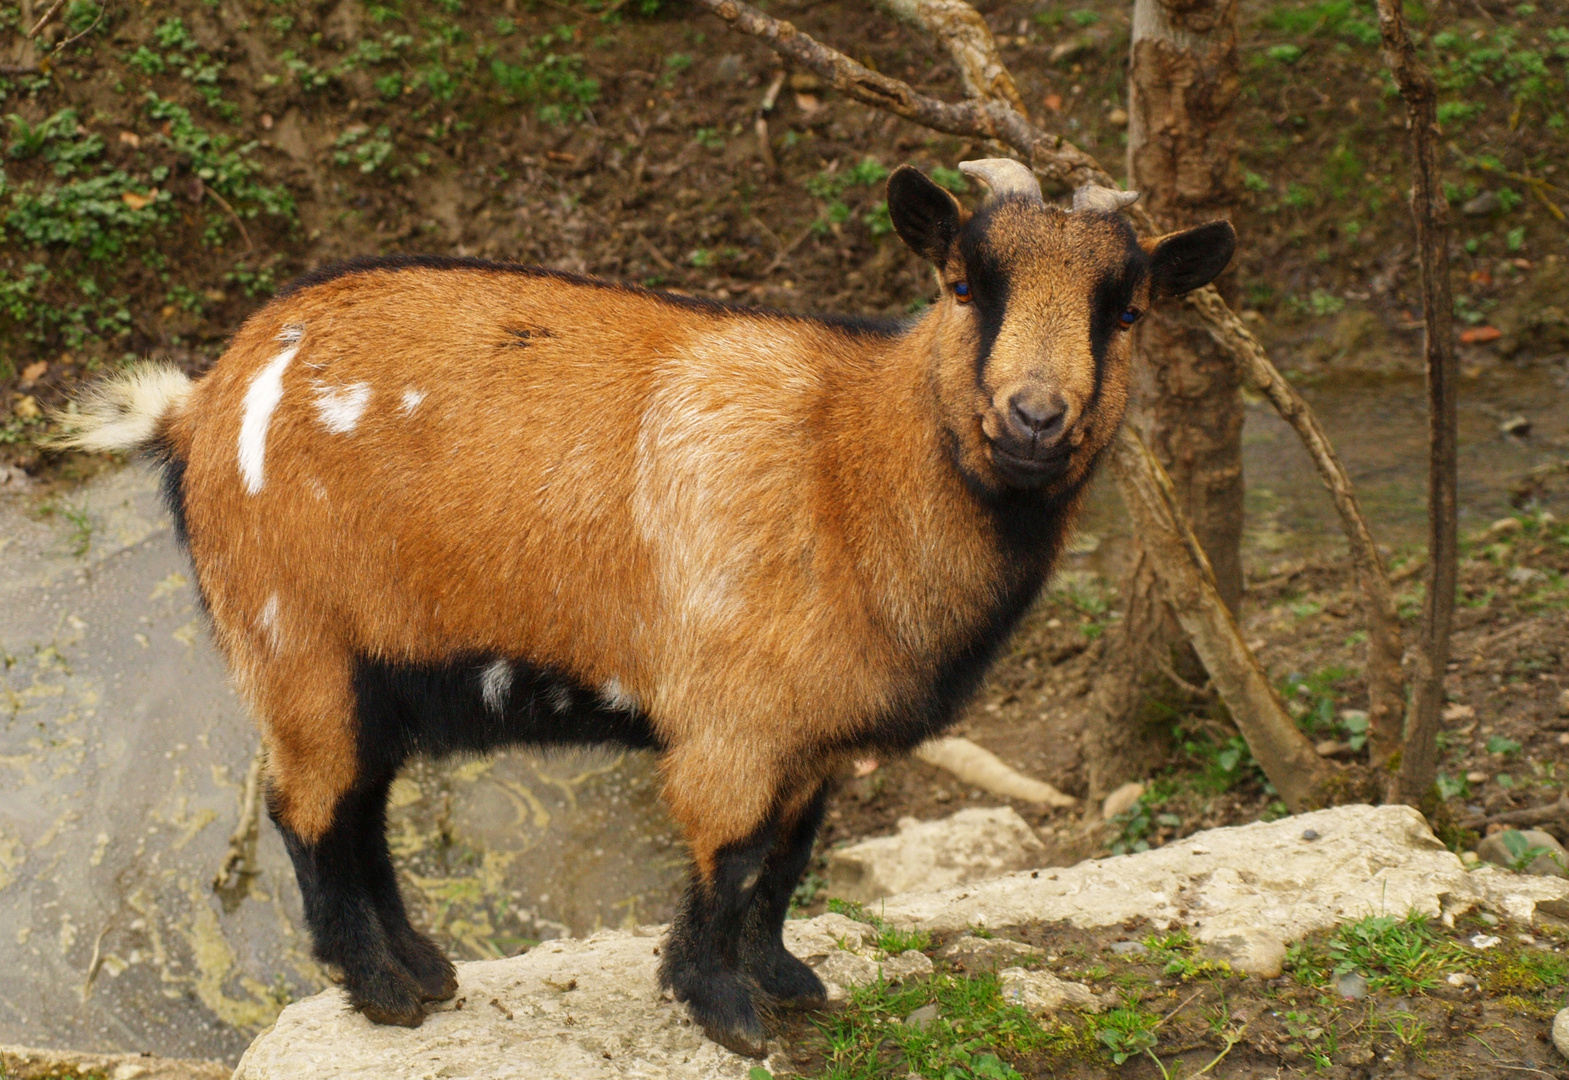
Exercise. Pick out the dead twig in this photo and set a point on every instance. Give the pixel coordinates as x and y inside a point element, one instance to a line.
<point>770,98</point>
<point>233,216</point>
<point>657,255</point>
<point>74,38</point>
<point>788,250</point>
<point>43,20</point>
<point>1534,815</point>
<point>1202,693</point>
<point>233,870</point>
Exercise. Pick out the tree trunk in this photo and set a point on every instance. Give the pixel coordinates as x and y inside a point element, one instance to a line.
<point>1188,404</point>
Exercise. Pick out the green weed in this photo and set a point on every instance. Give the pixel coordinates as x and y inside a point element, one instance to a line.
<point>972,1038</point>
<point>890,939</point>
<point>1399,955</point>
<point>551,81</point>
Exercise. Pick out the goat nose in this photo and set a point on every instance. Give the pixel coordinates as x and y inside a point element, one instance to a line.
<point>1039,416</point>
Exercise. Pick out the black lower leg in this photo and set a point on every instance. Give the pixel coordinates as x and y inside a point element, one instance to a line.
<point>345,895</point>
<point>702,961</point>
<point>781,976</point>
<point>419,955</point>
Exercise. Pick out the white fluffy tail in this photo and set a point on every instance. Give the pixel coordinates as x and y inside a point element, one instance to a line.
<point>123,412</point>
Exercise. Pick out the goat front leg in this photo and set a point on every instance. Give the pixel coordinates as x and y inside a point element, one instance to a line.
<point>727,808</point>
<point>787,981</point>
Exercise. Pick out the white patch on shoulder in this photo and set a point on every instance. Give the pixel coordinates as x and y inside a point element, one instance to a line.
<point>411,400</point>
<point>618,697</point>
<point>560,699</point>
<point>495,682</point>
<point>267,620</point>
<point>701,478</point>
<point>339,408</point>
<point>318,489</point>
<point>261,401</point>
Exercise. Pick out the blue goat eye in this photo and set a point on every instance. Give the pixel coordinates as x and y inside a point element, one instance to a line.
<point>961,290</point>
<point>1128,317</point>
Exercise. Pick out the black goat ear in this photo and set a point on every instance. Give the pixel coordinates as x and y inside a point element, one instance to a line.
<point>1183,261</point>
<point>925,215</point>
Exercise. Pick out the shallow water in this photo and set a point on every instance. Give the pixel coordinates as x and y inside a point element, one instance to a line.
<point>123,752</point>
<point>123,755</point>
<point>1379,428</point>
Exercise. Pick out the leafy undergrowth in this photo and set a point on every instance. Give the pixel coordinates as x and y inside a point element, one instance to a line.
<point>1476,999</point>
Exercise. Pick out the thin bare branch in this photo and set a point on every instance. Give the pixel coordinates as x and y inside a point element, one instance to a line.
<point>963,32</point>
<point>43,20</point>
<point>1386,687</point>
<point>1534,815</point>
<point>1430,210</point>
<point>1287,758</point>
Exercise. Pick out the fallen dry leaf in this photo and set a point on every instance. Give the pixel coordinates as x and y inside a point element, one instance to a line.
<point>34,371</point>
<point>1478,335</point>
<point>26,408</point>
<point>1054,102</point>
<point>131,139</point>
<point>807,103</point>
<point>138,202</point>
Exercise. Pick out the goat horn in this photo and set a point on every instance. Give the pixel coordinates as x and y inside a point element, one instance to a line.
<point>1102,199</point>
<point>1004,176</point>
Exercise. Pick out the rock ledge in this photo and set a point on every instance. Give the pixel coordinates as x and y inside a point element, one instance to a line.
<point>590,1010</point>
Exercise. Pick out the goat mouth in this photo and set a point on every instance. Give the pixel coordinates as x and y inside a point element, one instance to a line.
<point>1031,471</point>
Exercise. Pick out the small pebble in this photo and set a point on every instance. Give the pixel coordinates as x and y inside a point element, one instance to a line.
<point>1310,834</point>
<point>1351,986</point>
<point>921,1018</point>
<point>1487,917</point>
<point>1475,777</point>
<point>1129,948</point>
<point>1463,980</point>
<point>1561,1032</point>
<point>1484,941</point>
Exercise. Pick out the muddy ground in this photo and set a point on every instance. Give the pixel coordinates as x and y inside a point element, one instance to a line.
<point>1443,1010</point>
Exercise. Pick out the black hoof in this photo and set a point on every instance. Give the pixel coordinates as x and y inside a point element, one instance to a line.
<point>790,984</point>
<point>749,1042</point>
<point>437,978</point>
<point>388,997</point>
<point>724,1004</point>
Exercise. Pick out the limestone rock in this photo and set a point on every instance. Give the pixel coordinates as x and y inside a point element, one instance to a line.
<point>971,845</point>
<point>1040,992</point>
<point>1553,861</point>
<point>565,1010</point>
<point>975,954</point>
<point>27,1063</point>
<point>844,953</point>
<point>1234,880</point>
<point>1253,950</point>
<point>591,1010</point>
<point>1561,1032</point>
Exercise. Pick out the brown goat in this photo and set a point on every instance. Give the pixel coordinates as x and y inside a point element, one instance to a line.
<point>441,505</point>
